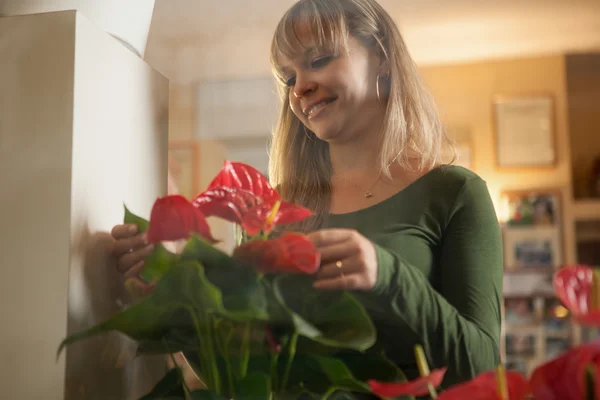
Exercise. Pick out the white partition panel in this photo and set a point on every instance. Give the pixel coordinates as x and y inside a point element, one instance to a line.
<point>83,129</point>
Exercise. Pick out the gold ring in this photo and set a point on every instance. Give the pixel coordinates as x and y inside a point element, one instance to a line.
<point>339,264</point>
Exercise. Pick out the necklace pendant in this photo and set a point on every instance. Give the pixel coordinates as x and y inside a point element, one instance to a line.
<point>368,195</point>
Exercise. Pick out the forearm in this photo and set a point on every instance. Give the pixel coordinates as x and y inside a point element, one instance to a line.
<point>464,344</point>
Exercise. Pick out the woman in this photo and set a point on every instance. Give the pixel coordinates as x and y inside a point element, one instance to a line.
<point>359,141</point>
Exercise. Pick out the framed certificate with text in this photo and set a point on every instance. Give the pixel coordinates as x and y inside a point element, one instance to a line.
<point>524,131</point>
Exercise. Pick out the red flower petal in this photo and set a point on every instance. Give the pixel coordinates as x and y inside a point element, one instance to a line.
<point>256,218</point>
<point>174,217</point>
<point>573,286</point>
<point>290,253</point>
<point>242,176</point>
<point>416,387</point>
<point>290,213</point>
<point>563,378</point>
<point>228,203</point>
<point>485,387</point>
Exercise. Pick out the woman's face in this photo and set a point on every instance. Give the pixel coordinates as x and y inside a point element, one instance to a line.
<point>335,96</point>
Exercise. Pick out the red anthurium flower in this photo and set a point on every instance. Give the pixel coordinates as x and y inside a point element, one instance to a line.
<point>228,203</point>
<point>242,195</point>
<point>258,218</point>
<point>238,175</point>
<point>563,378</point>
<point>416,387</point>
<point>573,286</point>
<point>291,253</point>
<point>485,387</point>
<point>173,217</point>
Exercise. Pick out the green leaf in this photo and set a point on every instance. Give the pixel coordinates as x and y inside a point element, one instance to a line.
<point>339,375</point>
<point>157,264</point>
<point>170,386</point>
<point>177,340</point>
<point>332,318</point>
<point>242,289</point>
<point>205,395</point>
<point>365,366</point>
<point>255,386</point>
<point>166,309</point>
<point>319,375</point>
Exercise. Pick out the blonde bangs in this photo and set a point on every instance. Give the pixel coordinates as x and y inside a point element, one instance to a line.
<point>315,22</point>
<point>412,133</point>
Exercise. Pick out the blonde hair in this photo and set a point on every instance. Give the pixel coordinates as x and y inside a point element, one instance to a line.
<point>300,166</point>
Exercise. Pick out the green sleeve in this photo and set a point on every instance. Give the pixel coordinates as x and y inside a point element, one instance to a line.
<point>458,324</point>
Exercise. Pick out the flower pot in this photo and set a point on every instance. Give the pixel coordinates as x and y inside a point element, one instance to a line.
<point>128,21</point>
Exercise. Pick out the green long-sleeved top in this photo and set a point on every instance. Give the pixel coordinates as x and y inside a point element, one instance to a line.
<point>439,284</point>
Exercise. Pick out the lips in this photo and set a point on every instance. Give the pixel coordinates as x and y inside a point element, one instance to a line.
<point>314,108</point>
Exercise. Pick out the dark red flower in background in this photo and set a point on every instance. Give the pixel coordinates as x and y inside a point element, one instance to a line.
<point>290,253</point>
<point>574,286</point>
<point>564,377</point>
<point>173,217</point>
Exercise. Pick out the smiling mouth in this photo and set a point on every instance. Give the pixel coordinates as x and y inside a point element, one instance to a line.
<point>314,110</point>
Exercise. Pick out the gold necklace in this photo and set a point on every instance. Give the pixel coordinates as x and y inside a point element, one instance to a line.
<point>368,193</point>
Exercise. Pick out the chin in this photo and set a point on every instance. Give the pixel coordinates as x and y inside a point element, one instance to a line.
<point>328,133</point>
<point>327,136</point>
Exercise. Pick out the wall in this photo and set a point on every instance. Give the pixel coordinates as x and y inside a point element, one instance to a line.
<point>84,132</point>
<point>464,94</point>
<point>583,87</point>
<point>182,112</point>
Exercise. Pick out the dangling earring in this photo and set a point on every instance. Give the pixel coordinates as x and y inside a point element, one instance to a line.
<point>377,87</point>
<point>307,133</point>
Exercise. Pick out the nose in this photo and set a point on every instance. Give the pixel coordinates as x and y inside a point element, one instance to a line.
<point>304,86</point>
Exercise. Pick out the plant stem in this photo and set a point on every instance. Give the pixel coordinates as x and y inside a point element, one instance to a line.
<point>201,353</point>
<point>273,367</point>
<point>590,384</point>
<point>210,353</point>
<point>245,357</point>
<point>186,389</point>
<point>291,354</point>
<point>328,393</point>
<point>228,363</point>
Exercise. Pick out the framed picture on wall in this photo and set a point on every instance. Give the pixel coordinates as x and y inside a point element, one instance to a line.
<point>524,131</point>
<point>533,231</point>
<point>184,168</point>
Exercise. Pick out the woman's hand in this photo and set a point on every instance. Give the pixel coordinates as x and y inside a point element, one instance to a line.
<point>348,260</point>
<point>130,249</point>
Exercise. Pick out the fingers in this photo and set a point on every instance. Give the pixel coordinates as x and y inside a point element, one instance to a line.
<point>124,231</point>
<point>327,237</point>
<point>126,245</point>
<point>138,288</point>
<point>132,259</point>
<point>341,282</point>
<point>332,270</point>
<point>337,251</point>
<point>135,270</point>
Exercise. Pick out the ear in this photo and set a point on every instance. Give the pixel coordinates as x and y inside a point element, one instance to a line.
<point>383,68</point>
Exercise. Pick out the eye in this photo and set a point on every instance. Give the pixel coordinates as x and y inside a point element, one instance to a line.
<point>290,81</point>
<point>320,61</point>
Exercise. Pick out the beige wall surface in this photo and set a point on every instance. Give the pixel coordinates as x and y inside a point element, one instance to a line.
<point>85,131</point>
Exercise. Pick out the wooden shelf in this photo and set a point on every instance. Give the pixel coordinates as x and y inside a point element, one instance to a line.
<point>584,210</point>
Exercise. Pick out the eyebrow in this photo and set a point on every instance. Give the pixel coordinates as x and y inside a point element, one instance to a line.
<point>310,50</point>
